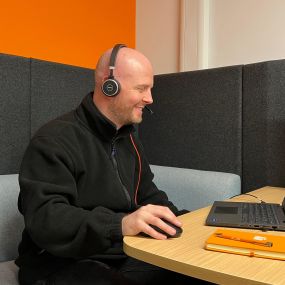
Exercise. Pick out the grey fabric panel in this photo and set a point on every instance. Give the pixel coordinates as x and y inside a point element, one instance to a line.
<point>11,222</point>
<point>14,111</point>
<point>56,89</point>
<point>192,189</point>
<point>197,120</point>
<point>264,125</point>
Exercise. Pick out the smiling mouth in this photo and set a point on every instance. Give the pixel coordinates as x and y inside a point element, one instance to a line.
<point>140,107</point>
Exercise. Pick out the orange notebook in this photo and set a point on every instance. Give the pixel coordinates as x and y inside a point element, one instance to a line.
<point>247,243</point>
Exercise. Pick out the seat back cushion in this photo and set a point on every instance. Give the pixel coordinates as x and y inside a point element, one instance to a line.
<point>193,189</point>
<point>11,221</point>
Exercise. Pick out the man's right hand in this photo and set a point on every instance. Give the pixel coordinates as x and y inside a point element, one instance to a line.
<point>140,221</point>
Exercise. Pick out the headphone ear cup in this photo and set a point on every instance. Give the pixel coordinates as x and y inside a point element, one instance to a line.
<point>111,87</point>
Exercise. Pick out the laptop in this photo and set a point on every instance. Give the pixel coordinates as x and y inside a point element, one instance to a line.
<point>263,216</point>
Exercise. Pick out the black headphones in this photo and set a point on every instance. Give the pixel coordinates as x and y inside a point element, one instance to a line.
<point>111,87</point>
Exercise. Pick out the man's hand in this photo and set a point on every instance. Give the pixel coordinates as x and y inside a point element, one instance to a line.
<point>141,219</point>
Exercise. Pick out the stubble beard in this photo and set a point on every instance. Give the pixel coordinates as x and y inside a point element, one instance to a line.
<point>125,116</point>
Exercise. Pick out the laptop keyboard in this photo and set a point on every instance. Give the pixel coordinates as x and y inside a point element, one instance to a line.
<point>260,214</point>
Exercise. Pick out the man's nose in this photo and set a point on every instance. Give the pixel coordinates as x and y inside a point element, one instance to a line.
<point>148,98</point>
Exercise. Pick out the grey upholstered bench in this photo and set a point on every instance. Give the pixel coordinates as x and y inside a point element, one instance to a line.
<point>11,226</point>
<point>192,189</point>
<point>187,188</point>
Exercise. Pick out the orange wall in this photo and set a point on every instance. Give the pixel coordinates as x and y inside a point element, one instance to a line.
<point>75,32</point>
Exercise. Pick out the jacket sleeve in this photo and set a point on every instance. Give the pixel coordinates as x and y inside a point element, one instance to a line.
<point>48,202</point>
<point>148,192</point>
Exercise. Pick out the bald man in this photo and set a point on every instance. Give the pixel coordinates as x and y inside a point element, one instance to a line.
<point>85,183</point>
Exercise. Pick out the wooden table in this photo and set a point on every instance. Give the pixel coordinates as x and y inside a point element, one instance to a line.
<point>187,255</point>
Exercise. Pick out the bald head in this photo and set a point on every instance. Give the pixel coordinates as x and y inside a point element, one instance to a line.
<point>127,61</point>
<point>134,73</point>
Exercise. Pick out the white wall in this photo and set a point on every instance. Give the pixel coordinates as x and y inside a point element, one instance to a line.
<point>178,35</point>
<point>245,31</point>
<point>157,30</point>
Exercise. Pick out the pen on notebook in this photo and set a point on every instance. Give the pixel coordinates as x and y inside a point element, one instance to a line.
<point>258,242</point>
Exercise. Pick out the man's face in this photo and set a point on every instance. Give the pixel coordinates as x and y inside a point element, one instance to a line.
<point>127,107</point>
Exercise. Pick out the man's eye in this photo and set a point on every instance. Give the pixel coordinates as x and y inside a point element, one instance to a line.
<point>141,89</point>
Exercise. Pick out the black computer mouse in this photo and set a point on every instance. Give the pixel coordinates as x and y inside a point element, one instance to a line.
<point>178,229</point>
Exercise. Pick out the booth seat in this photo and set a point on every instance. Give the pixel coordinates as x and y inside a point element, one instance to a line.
<point>187,188</point>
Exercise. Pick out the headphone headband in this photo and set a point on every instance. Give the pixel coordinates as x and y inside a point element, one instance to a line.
<point>113,57</point>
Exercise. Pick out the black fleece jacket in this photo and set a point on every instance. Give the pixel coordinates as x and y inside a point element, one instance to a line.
<point>78,179</point>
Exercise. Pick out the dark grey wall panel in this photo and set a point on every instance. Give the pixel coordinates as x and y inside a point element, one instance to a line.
<point>14,111</point>
<point>197,120</point>
<point>228,119</point>
<point>56,89</point>
<point>264,125</point>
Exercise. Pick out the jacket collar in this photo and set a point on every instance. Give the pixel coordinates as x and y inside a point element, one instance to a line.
<point>94,120</point>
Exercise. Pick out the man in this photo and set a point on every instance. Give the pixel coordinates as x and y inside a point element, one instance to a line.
<point>85,183</point>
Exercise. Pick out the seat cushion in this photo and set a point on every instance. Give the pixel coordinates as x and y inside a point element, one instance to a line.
<point>8,273</point>
<point>11,222</point>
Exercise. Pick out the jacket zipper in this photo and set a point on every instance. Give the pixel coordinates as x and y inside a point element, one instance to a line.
<point>115,164</point>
